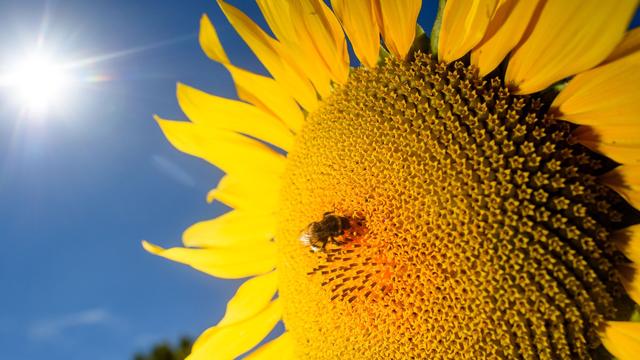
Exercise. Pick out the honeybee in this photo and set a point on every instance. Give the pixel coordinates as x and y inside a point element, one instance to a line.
<point>319,233</point>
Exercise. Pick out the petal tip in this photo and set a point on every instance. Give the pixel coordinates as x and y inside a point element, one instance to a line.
<point>211,195</point>
<point>151,248</point>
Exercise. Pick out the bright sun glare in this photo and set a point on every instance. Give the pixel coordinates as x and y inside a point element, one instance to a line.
<point>37,82</point>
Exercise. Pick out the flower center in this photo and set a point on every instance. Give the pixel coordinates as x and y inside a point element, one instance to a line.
<point>483,230</point>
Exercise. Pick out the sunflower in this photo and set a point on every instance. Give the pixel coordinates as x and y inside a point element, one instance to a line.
<point>468,193</point>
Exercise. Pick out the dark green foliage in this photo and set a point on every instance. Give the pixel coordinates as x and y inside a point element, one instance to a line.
<point>166,351</point>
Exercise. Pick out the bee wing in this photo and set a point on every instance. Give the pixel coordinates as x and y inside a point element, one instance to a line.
<point>305,238</point>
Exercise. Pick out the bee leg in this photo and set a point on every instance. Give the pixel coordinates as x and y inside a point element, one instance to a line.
<point>327,213</point>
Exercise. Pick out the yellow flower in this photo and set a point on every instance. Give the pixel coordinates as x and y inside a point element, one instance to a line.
<point>478,189</point>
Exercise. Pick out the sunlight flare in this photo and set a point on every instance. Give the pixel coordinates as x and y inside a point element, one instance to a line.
<point>37,82</point>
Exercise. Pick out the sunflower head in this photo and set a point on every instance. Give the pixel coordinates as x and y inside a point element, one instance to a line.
<point>471,195</point>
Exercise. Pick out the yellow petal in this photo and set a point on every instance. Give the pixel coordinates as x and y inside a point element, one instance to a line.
<point>628,241</point>
<point>299,46</point>
<point>359,21</point>
<point>622,339</point>
<point>505,30</point>
<point>621,154</point>
<point>251,298</point>
<point>268,95</point>
<point>278,15</point>
<point>210,42</point>
<point>570,36</point>
<point>629,45</point>
<point>605,96</point>
<point>212,111</point>
<point>625,180</point>
<point>325,33</point>
<point>630,279</point>
<point>620,143</point>
<point>233,229</point>
<point>281,348</point>
<point>397,21</point>
<point>232,153</point>
<point>228,342</point>
<point>245,193</point>
<point>268,51</point>
<point>226,263</point>
<point>258,90</point>
<point>463,26</point>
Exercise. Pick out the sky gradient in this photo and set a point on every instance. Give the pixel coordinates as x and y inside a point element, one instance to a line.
<point>82,186</point>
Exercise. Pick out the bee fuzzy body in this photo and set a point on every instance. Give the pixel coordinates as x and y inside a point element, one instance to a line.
<point>328,230</point>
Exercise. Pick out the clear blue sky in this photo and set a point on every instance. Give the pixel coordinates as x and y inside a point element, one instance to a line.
<point>80,188</point>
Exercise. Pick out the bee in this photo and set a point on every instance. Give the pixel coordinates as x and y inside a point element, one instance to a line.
<point>319,233</point>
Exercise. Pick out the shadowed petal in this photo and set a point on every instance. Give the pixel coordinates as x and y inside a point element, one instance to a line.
<point>560,45</point>
<point>397,21</point>
<point>463,26</point>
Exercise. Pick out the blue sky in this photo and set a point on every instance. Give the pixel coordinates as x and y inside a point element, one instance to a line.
<point>81,186</point>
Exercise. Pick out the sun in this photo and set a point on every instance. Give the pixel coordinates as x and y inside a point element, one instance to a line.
<point>37,82</point>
